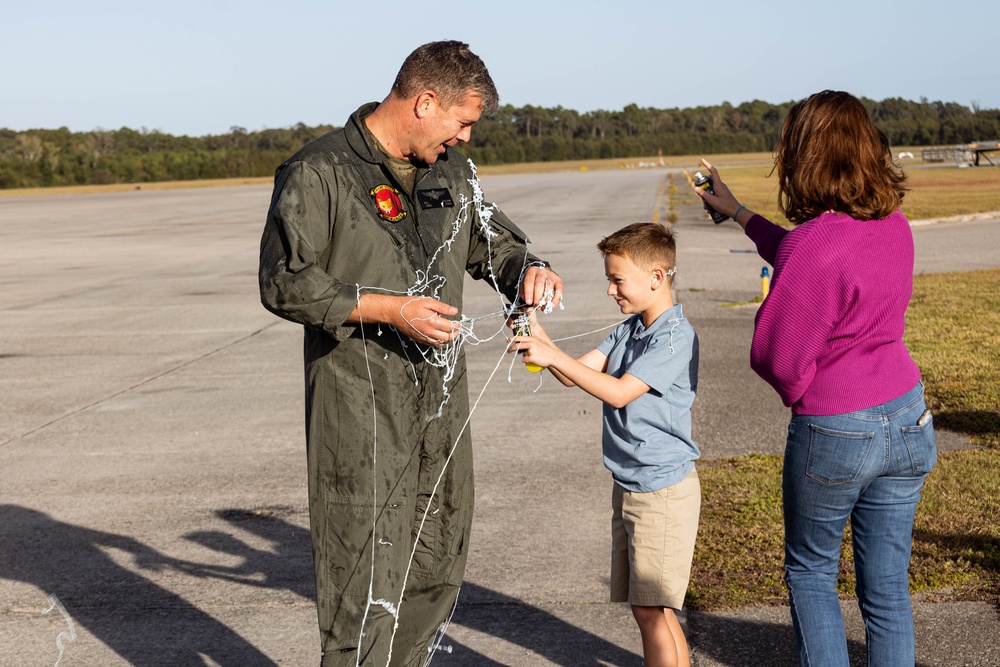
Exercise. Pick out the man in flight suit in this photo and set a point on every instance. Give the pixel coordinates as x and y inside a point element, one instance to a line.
<point>370,231</point>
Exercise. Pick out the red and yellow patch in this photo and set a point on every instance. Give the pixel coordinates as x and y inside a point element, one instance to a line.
<point>387,203</point>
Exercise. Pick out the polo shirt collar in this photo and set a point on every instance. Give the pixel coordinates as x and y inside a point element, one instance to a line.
<point>670,316</point>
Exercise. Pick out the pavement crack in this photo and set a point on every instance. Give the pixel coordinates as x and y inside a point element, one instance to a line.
<point>141,383</point>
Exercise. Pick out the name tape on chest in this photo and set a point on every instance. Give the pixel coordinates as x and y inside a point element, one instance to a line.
<point>435,198</point>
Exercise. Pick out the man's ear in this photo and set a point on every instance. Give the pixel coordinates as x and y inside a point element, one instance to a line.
<point>424,103</point>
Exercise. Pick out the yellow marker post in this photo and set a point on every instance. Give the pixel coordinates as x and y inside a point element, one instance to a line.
<point>765,282</point>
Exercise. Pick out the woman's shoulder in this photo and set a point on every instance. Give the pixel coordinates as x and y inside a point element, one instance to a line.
<point>835,226</point>
<point>832,235</point>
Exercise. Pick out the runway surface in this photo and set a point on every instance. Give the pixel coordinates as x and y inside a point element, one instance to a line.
<point>152,447</point>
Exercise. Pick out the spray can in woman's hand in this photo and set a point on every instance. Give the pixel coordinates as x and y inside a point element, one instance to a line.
<point>705,183</point>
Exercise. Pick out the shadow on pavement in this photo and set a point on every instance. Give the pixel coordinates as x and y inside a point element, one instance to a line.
<point>735,642</point>
<point>289,566</point>
<point>286,565</point>
<point>143,623</point>
<point>148,625</point>
<point>538,631</point>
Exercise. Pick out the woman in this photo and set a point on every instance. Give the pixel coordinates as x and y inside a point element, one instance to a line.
<point>829,339</point>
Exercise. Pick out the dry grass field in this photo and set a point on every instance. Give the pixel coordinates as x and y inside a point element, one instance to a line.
<point>125,187</point>
<point>935,190</point>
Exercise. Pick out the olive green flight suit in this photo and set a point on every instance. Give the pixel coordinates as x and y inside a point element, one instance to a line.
<point>376,446</point>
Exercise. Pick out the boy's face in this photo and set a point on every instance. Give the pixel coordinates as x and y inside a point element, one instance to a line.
<point>630,286</point>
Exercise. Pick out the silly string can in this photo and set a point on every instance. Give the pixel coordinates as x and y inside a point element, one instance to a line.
<point>705,183</point>
<point>523,328</point>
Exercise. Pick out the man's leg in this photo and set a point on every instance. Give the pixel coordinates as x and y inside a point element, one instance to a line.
<point>441,523</point>
<point>364,465</point>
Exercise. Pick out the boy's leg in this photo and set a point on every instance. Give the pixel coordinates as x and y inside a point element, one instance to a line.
<point>661,527</point>
<point>659,647</point>
<point>683,653</point>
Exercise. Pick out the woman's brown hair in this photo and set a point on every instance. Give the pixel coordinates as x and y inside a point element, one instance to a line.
<point>831,157</point>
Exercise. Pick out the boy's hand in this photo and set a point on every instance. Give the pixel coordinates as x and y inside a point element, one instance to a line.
<point>534,350</point>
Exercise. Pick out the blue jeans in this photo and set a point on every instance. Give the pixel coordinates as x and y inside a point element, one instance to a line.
<point>870,466</point>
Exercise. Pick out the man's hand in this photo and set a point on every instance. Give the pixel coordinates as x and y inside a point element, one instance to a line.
<point>423,319</point>
<point>539,280</point>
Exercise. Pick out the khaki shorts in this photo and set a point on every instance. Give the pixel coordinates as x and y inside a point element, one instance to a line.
<point>652,543</point>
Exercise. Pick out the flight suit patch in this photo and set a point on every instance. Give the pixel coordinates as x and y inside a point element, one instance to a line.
<point>435,198</point>
<point>387,203</point>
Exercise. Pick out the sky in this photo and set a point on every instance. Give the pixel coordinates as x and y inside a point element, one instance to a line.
<point>203,67</point>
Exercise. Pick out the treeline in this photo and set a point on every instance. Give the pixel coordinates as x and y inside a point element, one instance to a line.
<point>38,158</point>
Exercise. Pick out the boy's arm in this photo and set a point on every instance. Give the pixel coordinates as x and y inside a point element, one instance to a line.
<point>593,359</point>
<point>587,372</point>
<point>616,392</point>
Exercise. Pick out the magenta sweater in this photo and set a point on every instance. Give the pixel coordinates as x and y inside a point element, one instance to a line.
<point>829,335</point>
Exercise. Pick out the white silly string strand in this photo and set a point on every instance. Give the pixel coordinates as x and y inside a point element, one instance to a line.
<point>54,603</point>
<point>430,285</point>
<point>440,634</point>
<point>446,356</point>
<point>371,580</point>
<point>423,519</point>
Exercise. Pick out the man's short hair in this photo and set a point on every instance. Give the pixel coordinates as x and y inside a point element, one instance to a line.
<point>451,70</point>
<point>647,244</point>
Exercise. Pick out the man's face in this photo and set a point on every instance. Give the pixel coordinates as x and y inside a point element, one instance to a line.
<point>442,127</point>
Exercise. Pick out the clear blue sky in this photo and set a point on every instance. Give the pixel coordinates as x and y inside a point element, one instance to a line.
<point>198,68</point>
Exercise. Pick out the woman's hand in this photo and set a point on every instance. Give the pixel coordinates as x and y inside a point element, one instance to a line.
<point>723,200</point>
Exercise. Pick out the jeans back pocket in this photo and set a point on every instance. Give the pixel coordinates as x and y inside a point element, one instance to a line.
<point>836,457</point>
<point>921,445</point>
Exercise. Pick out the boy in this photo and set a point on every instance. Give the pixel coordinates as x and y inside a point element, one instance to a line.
<point>646,372</point>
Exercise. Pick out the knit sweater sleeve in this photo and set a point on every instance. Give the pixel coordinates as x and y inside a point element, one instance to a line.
<point>795,321</point>
<point>766,235</point>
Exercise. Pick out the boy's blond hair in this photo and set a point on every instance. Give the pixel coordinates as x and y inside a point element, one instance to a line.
<point>647,244</point>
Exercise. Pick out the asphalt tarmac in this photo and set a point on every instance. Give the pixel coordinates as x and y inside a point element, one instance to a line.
<point>153,484</point>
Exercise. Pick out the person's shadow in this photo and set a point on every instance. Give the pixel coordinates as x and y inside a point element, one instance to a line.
<point>289,566</point>
<point>140,621</point>
<point>148,625</point>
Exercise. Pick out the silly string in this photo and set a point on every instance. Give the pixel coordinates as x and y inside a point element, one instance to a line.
<point>430,284</point>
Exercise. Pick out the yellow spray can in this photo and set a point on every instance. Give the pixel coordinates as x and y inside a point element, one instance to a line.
<point>523,328</point>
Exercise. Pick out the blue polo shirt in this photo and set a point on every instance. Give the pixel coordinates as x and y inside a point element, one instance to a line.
<point>647,444</point>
